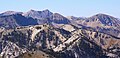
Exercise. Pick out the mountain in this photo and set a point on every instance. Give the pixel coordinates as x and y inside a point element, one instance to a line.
<point>46,16</point>
<point>104,19</point>
<point>15,20</point>
<point>100,22</point>
<point>10,13</point>
<point>12,19</point>
<point>43,34</point>
<point>38,14</point>
<point>103,22</point>
<point>59,19</point>
<point>52,42</point>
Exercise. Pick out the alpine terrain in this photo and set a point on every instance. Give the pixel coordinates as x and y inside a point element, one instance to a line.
<point>44,34</point>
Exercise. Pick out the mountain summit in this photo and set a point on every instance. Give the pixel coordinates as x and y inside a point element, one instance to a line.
<point>105,19</point>
<point>99,22</point>
<point>10,13</point>
<point>38,14</point>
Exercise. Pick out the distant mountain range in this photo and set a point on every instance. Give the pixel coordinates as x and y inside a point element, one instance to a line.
<point>99,22</point>
<point>45,34</point>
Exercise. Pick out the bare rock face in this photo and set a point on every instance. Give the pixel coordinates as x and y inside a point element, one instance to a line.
<point>11,50</point>
<point>43,34</point>
<point>52,42</point>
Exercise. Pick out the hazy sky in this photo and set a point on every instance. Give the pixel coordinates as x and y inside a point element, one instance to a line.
<point>65,7</point>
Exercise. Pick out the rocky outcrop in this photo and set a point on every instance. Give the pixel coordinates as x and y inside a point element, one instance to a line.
<point>57,42</point>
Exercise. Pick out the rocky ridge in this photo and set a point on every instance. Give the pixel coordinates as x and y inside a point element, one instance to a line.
<point>43,34</point>
<point>58,42</point>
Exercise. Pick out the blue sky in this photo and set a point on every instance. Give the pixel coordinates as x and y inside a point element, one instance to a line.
<point>80,8</point>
